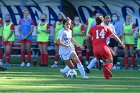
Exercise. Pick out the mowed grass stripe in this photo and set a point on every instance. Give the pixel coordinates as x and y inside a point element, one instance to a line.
<point>38,79</point>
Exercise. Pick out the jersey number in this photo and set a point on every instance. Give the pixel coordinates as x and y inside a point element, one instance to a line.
<point>101,34</point>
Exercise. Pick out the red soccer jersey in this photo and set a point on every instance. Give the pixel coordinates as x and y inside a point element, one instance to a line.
<point>99,34</point>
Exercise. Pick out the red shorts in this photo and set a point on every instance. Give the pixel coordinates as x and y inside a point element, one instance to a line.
<point>129,45</point>
<point>78,48</point>
<point>8,43</point>
<point>56,44</point>
<point>25,41</point>
<point>102,52</point>
<point>41,43</point>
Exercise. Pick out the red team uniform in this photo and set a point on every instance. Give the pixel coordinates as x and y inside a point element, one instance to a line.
<point>100,48</point>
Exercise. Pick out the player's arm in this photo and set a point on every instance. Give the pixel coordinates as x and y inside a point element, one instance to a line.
<point>117,39</point>
<point>77,44</point>
<point>19,29</point>
<point>11,32</point>
<point>53,29</point>
<point>47,29</point>
<point>82,30</point>
<point>37,32</point>
<point>137,34</point>
<point>31,31</point>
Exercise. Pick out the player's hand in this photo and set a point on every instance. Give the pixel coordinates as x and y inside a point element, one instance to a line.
<point>82,47</point>
<point>25,37</point>
<point>123,46</point>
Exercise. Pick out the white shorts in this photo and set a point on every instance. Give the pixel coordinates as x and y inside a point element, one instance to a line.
<point>66,56</point>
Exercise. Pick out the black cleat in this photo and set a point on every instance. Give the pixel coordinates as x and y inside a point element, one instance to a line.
<point>87,70</point>
<point>2,68</point>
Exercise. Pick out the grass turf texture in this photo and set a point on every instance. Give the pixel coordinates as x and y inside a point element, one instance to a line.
<point>48,80</point>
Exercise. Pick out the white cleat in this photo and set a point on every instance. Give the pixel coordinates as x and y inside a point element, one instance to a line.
<point>22,64</point>
<point>28,64</point>
<point>62,71</point>
<point>86,63</point>
<point>114,67</point>
<point>54,66</point>
<point>1,63</point>
<point>85,77</point>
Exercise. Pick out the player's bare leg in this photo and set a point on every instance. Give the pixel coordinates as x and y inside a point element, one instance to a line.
<point>41,55</point>
<point>45,47</point>
<point>88,52</point>
<point>28,49</point>
<point>126,57</point>
<point>8,54</point>
<point>56,57</point>
<point>22,45</point>
<point>132,57</point>
<point>80,67</point>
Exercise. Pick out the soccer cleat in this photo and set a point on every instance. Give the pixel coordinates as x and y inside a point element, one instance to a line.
<point>22,64</point>
<point>108,72</point>
<point>114,67</point>
<point>28,64</point>
<point>85,77</point>
<point>61,71</point>
<point>107,78</point>
<point>2,68</point>
<point>54,66</point>
<point>1,63</point>
<point>87,70</point>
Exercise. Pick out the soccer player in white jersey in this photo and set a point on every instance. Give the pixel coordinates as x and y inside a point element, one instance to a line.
<point>66,48</point>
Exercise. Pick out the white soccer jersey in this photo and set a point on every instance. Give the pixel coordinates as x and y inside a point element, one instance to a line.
<point>112,28</point>
<point>65,38</point>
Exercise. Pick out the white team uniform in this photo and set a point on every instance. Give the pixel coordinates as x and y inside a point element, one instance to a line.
<point>65,38</point>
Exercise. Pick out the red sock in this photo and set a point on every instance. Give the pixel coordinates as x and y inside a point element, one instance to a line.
<point>29,56</point>
<point>132,60</point>
<point>104,71</point>
<point>56,57</point>
<point>46,59</point>
<point>110,65</point>
<point>7,57</point>
<point>126,61</point>
<point>42,59</point>
<point>87,55</point>
<point>22,56</point>
<point>0,54</point>
<point>80,58</point>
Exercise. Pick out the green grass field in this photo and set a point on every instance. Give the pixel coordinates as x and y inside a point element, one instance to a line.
<point>48,80</point>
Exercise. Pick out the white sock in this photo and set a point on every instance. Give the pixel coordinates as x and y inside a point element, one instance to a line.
<point>92,63</point>
<point>66,69</point>
<point>81,69</point>
<point>101,61</point>
<point>55,62</point>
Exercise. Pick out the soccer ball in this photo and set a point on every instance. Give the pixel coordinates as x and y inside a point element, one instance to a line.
<point>72,73</point>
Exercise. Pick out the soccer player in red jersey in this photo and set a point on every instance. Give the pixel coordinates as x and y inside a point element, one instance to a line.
<point>99,34</point>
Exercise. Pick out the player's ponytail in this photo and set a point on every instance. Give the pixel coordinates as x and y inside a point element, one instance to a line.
<point>99,20</point>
